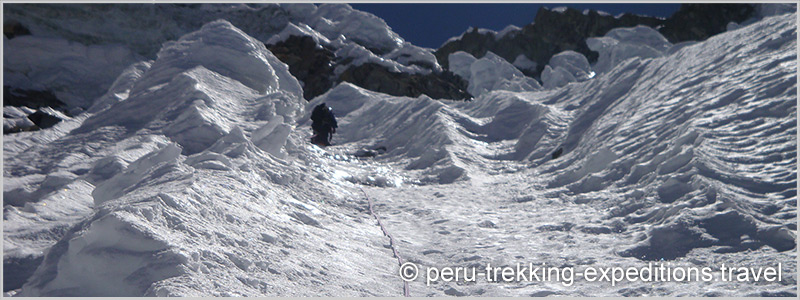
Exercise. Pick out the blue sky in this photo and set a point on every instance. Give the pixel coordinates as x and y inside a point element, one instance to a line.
<point>430,25</point>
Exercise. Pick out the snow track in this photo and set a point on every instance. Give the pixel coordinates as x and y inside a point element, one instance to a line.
<point>392,242</point>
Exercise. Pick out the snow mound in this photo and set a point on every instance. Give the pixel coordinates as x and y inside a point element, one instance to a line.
<point>149,217</point>
<point>16,117</point>
<point>554,78</point>
<point>409,55</point>
<point>492,72</point>
<point>460,63</point>
<point>116,186</point>
<point>222,48</point>
<point>522,62</point>
<point>120,89</point>
<point>213,78</point>
<point>415,131</point>
<point>335,19</point>
<point>175,104</point>
<point>566,67</point>
<point>621,44</point>
<point>415,60</point>
<point>714,146</point>
<point>509,30</point>
<point>298,30</point>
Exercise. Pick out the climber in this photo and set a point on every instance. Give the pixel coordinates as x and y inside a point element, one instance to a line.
<point>323,124</point>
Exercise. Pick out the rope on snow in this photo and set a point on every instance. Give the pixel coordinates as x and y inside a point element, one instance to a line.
<point>392,243</point>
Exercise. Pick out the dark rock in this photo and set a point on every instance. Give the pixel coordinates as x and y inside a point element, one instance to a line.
<point>550,33</point>
<point>777,294</point>
<point>12,29</point>
<point>30,98</point>
<point>363,153</point>
<point>595,229</point>
<point>553,32</point>
<point>487,224</point>
<point>17,270</point>
<point>44,120</point>
<point>697,22</point>
<point>557,153</point>
<point>305,219</point>
<point>454,292</point>
<point>37,100</point>
<point>564,226</point>
<point>308,62</point>
<point>427,252</point>
<point>374,77</point>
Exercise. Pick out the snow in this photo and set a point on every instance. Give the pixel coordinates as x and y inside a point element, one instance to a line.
<point>202,103</point>
<point>137,33</point>
<point>298,30</point>
<point>573,62</point>
<point>411,117</point>
<point>116,186</point>
<point>410,55</point>
<point>334,19</point>
<point>217,46</point>
<point>16,117</point>
<point>460,63</point>
<point>522,62</point>
<point>565,67</point>
<point>192,174</point>
<point>358,55</point>
<point>75,73</point>
<point>492,72</point>
<point>773,9</point>
<point>558,77</point>
<point>599,12</point>
<point>620,44</point>
<point>483,31</point>
<point>510,29</point>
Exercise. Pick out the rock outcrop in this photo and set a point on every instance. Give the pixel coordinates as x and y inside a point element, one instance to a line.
<point>551,32</point>
<point>697,22</point>
<point>30,110</point>
<point>12,29</point>
<point>315,65</point>
<point>555,31</point>
<point>444,85</point>
<point>309,62</point>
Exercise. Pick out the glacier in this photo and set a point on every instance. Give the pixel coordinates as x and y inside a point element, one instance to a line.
<point>189,173</point>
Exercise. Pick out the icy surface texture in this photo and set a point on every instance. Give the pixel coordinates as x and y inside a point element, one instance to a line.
<point>566,67</point>
<point>491,73</point>
<point>621,44</point>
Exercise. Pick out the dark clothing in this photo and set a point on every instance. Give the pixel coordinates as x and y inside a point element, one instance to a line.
<point>324,125</point>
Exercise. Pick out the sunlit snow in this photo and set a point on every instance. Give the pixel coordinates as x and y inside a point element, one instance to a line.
<point>191,174</point>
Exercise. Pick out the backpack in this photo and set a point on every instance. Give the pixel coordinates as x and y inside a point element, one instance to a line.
<point>319,113</point>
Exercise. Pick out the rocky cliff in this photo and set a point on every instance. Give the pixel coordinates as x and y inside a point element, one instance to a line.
<point>554,31</point>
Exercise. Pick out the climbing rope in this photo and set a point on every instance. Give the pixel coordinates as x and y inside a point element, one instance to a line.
<point>392,243</point>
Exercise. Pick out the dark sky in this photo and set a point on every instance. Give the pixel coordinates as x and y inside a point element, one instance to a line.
<point>430,25</point>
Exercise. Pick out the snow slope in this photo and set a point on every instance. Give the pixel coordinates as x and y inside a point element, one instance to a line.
<point>78,49</point>
<point>75,73</point>
<point>192,176</point>
<point>140,194</point>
